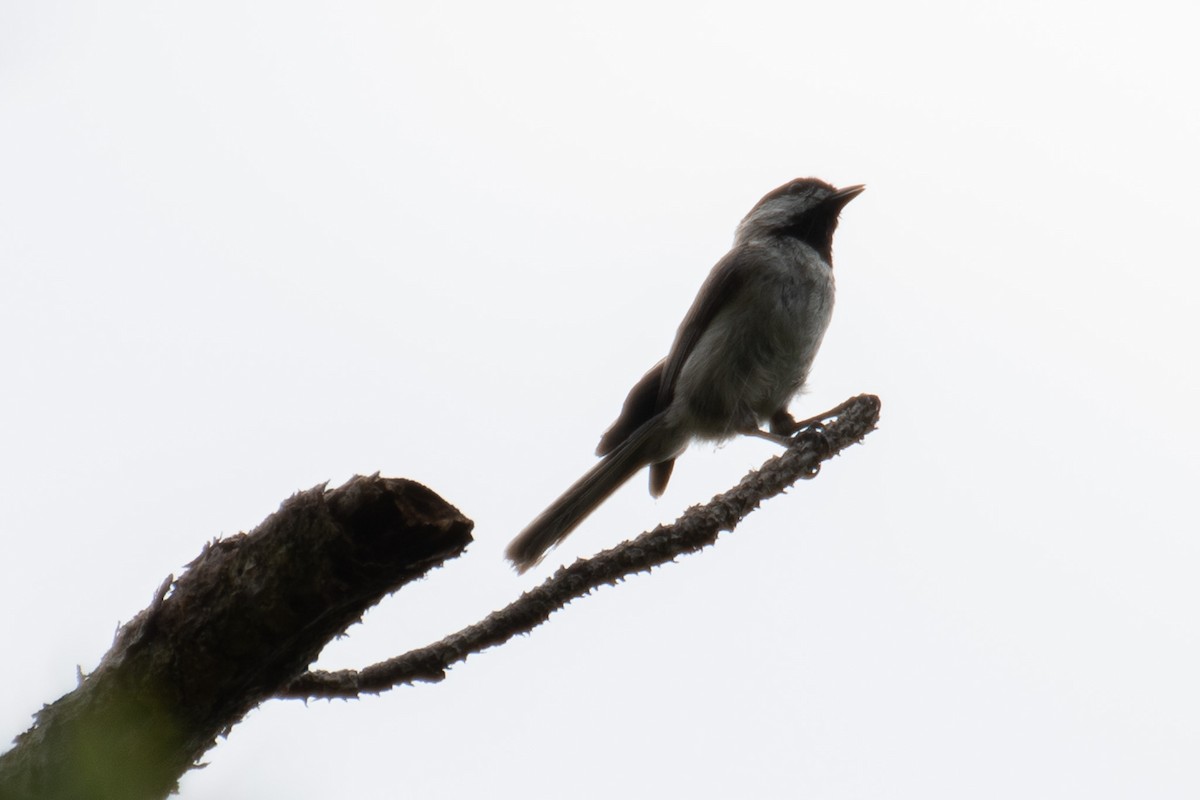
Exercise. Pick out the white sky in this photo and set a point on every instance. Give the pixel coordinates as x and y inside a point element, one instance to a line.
<point>248,250</point>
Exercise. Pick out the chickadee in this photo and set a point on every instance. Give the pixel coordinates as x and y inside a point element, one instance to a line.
<point>741,354</point>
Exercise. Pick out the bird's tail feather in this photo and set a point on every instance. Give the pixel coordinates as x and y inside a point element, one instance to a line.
<point>573,507</point>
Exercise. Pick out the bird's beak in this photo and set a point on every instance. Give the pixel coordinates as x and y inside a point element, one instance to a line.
<point>843,196</point>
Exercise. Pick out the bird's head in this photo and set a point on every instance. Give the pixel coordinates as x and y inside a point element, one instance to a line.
<point>806,209</point>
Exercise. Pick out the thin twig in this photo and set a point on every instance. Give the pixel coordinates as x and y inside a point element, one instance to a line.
<point>697,528</point>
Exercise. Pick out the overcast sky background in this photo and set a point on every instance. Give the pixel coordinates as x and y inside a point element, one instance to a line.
<point>246,250</point>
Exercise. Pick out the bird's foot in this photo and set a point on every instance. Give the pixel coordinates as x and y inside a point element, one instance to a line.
<point>778,438</point>
<point>784,424</point>
<point>787,430</point>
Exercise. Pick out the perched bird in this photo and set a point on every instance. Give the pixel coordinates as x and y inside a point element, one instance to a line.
<point>740,355</point>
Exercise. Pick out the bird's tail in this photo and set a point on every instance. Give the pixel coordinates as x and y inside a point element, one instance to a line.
<point>573,507</point>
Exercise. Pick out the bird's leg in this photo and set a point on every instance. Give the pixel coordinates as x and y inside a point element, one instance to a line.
<point>784,424</point>
<point>785,429</point>
<point>782,429</point>
<point>778,438</point>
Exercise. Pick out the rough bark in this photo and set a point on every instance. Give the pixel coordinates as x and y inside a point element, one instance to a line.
<point>245,619</point>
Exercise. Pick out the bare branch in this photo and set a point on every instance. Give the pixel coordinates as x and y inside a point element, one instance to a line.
<point>696,529</point>
<point>253,611</point>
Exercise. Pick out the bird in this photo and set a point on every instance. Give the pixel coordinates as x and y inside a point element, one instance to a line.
<point>742,352</point>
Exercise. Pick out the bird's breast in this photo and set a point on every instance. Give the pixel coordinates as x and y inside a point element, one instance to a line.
<point>756,352</point>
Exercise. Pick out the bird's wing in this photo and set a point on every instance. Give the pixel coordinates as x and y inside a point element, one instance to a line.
<point>638,408</point>
<point>654,391</point>
<point>725,280</point>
